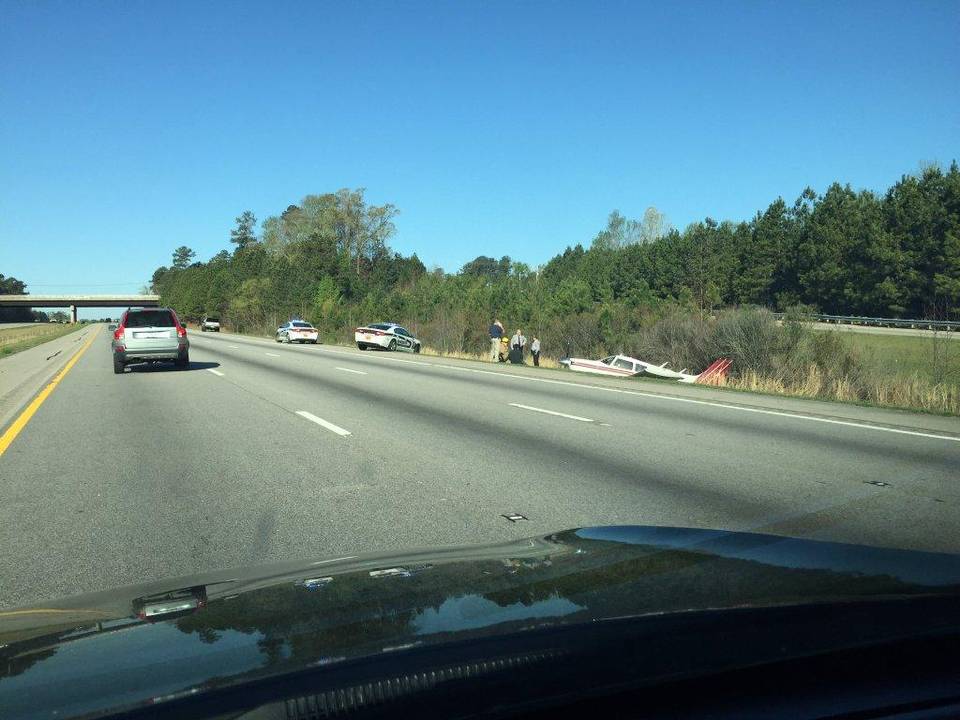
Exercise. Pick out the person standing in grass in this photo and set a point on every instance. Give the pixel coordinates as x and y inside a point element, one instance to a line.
<point>535,351</point>
<point>496,332</point>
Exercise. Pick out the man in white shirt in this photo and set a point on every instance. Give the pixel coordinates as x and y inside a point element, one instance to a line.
<point>518,341</point>
<point>535,351</point>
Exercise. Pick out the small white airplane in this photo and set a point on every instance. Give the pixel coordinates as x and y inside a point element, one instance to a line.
<point>626,366</point>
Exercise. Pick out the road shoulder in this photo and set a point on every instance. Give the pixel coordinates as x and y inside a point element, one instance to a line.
<point>24,374</point>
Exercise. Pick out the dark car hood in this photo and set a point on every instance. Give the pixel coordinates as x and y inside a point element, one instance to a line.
<point>144,643</point>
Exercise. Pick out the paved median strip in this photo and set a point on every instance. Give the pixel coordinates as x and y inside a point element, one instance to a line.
<point>322,423</point>
<point>550,412</point>
<point>355,372</point>
<point>21,422</point>
<point>215,372</point>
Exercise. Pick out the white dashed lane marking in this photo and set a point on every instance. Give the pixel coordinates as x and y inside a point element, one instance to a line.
<point>551,412</point>
<point>322,423</point>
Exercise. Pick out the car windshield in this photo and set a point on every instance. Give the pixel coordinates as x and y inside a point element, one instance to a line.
<point>686,265</point>
<point>150,318</point>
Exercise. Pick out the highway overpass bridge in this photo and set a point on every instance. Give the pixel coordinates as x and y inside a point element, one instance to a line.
<point>77,301</point>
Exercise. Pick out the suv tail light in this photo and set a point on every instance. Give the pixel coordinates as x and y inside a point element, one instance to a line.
<point>181,328</point>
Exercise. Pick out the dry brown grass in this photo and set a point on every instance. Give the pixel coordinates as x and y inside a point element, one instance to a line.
<point>14,340</point>
<point>898,391</point>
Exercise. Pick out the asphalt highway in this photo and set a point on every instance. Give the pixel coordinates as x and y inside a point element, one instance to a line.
<point>261,452</point>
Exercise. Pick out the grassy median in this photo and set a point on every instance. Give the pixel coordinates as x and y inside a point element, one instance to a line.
<point>905,372</point>
<point>14,340</point>
<point>935,356</point>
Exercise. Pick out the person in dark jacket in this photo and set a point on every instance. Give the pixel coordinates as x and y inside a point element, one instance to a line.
<point>496,332</point>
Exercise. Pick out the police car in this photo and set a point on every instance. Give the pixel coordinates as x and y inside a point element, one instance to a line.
<point>386,336</point>
<point>297,331</point>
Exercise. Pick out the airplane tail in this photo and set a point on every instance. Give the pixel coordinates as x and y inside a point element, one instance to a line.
<point>717,369</point>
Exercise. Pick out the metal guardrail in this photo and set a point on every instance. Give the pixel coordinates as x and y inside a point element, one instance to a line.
<point>916,324</point>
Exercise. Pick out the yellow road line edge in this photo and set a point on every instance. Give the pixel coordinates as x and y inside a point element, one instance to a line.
<point>21,422</point>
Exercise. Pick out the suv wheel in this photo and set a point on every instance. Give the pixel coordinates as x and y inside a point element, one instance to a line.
<point>182,362</point>
<point>117,366</point>
<point>392,345</point>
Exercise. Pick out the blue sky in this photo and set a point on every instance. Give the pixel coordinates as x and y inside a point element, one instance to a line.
<point>129,128</point>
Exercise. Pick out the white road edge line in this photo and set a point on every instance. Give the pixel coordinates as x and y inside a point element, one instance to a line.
<point>322,423</point>
<point>324,562</point>
<point>356,372</point>
<point>215,372</point>
<point>550,412</point>
<point>272,354</point>
<point>235,347</point>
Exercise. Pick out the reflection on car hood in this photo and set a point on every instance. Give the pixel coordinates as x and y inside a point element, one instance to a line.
<point>131,645</point>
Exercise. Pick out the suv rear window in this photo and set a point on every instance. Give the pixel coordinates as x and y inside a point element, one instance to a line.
<point>209,319</point>
<point>150,318</point>
<point>301,324</point>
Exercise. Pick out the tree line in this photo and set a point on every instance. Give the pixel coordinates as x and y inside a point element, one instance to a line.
<point>13,286</point>
<point>327,259</point>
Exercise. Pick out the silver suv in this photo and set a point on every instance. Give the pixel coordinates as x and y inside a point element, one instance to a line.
<point>150,335</point>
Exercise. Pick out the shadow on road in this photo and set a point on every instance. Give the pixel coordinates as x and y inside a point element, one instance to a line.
<point>168,366</point>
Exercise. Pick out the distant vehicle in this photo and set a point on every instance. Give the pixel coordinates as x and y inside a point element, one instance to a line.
<point>387,336</point>
<point>298,331</point>
<point>626,366</point>
<point>210,323</point>
<point>150,335</point>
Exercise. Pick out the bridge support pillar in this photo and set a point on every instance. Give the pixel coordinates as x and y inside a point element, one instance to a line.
<point>73,314</point>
